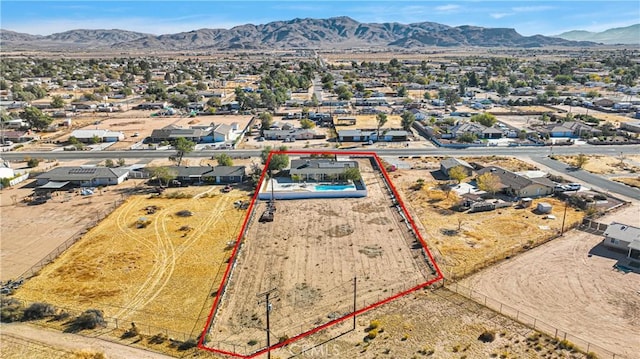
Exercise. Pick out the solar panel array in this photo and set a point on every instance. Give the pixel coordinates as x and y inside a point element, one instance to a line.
<point>82,171</point>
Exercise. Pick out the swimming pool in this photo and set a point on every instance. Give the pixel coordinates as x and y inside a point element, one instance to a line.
<point>334,187</point>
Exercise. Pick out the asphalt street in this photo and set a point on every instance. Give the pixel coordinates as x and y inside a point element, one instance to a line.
<point>589,178</point>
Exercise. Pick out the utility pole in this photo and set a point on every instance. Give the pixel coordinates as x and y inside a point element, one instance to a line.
<point>355,281</point>
<point>268,309</point>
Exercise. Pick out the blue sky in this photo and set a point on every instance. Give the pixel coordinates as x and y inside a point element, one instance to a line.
<point>162,17</point>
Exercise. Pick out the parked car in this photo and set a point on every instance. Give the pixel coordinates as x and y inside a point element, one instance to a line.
<point>573,186</point>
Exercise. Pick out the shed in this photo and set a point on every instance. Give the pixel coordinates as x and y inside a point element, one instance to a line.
<point>544,207</point>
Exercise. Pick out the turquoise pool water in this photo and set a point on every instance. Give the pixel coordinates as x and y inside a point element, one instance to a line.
<point>334,187</point>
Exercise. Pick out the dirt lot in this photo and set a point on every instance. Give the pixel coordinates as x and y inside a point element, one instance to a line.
<point>23,244</point>
<point>617,165</point>
<point>465,241</point>
<point>441,324</point>
<point>310,254</point>
<point>159,275</point>
<point>570,284</point>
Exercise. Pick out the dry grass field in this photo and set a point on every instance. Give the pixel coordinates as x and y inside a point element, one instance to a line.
<point>160,275</point>
<point>629,181</point>
<point>369,122</point>
<point>465,241</point>
<point>310,253</point>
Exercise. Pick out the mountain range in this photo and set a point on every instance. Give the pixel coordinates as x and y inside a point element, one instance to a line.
<point>338,32</point>
<point>618,35</point>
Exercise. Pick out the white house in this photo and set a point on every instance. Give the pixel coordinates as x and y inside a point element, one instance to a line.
<point>623,237</point>
<point>104,135</point>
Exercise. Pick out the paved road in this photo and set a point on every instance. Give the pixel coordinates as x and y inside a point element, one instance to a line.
<point>591,179</point>
<point>432,151</point>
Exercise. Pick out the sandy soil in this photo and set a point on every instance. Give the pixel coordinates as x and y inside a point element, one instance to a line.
<point>626,164</point>
<point>24,341</point>
<point>562,284</point>
<point>160,275</point>
<point>310,254</point>
<point>438,324</point>
<point>24,243</point>
<point>370,122</point>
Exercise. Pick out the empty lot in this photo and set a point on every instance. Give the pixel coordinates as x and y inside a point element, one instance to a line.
<point>562,285</point>
<point>310,254</point>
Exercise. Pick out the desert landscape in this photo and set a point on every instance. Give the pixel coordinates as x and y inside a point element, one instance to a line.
<point>310,254</point>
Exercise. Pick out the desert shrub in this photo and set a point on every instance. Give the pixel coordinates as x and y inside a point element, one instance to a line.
<point>487,336</point>
<point>372,334</point>
<point>85,354</point>
<point>38,311</point>
<point>599,197</point>
<point>187,344</point>
<point>283,338</point>
<point>131,332</point>
<point>61,315</point>
<point>184,213</point>
<point>592,355</point>
<point>374,324</point>
<point>158,338</point>
<point>12,310</point>
<point>565,344</point>
<point>33,162</point>
<point>89,319</point>
<point>252,342</point>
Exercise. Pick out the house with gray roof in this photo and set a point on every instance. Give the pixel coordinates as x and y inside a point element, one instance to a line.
<point>448,163</point>
<point>209,174</point>
<point>87,136</point>
<point>320,169</point>
<point>83,176</point>
<point>623,237</point>
<point>515,185</point>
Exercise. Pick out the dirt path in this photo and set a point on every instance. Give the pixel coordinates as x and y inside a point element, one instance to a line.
<point>25,341</point>
<point>562,285</point>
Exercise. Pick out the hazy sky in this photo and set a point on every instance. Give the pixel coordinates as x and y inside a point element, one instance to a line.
<point>162,17</point>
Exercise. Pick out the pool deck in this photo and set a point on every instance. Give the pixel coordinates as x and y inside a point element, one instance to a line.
<point>284,188</point>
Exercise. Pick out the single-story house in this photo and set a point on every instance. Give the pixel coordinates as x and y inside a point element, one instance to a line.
<point>16,124</point>
<point>87,136</point>
<point>631,126</point>
<point>84,176</point>
<point>477,129</point>
<point>319,169</point>
<point>209,174</point>
<point>604,102</point>
<point>516,185</point>
<point>623,237</point>
<point>372,135</point>
<point>448,163</point>
<point>151,106</point>
<point>298,134</point>
<point>18,136</point>
<point>171,132</point>
<point>571,129</point>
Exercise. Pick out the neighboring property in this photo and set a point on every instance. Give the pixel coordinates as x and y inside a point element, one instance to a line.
<point>87,136</point>
<point>447,164</point>
<point>513,184</point>
<point>372,135</point>
<point>631,126</point>
<point>198,134</point>
<point>151,106</point>
<point>623,237</point>
<point>571,129</point>
<point>18,136</point>
<point>82,176</point>
<point>297,134</point>
<point>320,169</point>
<point>209,174</point>
<point>5,170</point>
<point>476,129</point>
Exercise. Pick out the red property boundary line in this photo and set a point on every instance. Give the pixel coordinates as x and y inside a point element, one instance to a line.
<point>232,259</point>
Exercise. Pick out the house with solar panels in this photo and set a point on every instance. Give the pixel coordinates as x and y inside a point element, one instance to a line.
<point>60,178</point>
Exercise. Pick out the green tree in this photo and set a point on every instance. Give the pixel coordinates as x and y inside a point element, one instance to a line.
<point>121,162</point>
<point>488,182</point>
<point>581,160</point>
<point>183,147</point>
<point>33,162</point>
<point>449,96</point>
<point>278,161</point>
<point>57,101</point>
<point>307,123</point>
<point>381,119</point>
<point>35,118</point>
<point>402,91</point>
<point>502,88</point>
<point>408,118</point>
<point>352,174</point>
<point>224,159</point>
<point>162,173</point>
<point>95,139</point>
<point>266,120</point>
<point>457,173</point>
<point>562,79</point>
<point>485,119</point>
<point>109,163</point>
<point>426,95</point>
<point>344,93</point>
<point>467,137</point>
<point>214,102</point>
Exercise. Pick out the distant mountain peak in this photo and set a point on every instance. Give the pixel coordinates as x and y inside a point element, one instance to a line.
<point>619,35</point>
<point>334,32</point>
